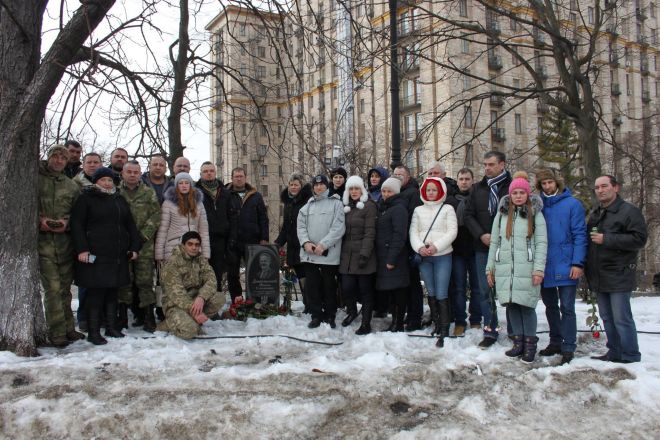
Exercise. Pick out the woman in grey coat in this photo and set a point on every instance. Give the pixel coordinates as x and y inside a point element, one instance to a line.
<point>516,262</point>
<point>320,229</point>
<point>358,259</point>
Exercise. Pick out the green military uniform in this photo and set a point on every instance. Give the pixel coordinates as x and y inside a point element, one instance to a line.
<point>146,213</point>
<point>185,278</point>
<point>57,193</point>
<point>81,180</point>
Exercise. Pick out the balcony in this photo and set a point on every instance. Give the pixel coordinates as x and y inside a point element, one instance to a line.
<point>493,27</point>
<point>642,40</point>
<point>644,67</point>
<point>646,96</point>
<point>614,58</point>
<point>641,14</point>
<point>494,62</point>
<point>497,134</point>
<point>615,89</point>
<point>496,100</point>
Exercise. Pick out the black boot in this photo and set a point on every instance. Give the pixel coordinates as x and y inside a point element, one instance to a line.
<point>365,327</point>
<point>444,317</point>
<point>112,329</point>
<point>149,318</point>
<point>395,315</point>
<point>529,352</point>
<point>517,349</point>
<point>432,314</point>
<point>436,318</point>
<point>550,350</point>
<point>93,307</point>
<point>138,316</point>
<point>160,314</point>
<point>122,321</point>
<point>352,313</point>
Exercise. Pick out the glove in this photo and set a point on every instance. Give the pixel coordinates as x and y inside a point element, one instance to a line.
<point>362,261</point>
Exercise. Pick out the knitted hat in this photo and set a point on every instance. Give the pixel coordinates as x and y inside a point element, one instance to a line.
<point>321,179</point>
<point>61,149</point>
<point>393,184</point>
<point>520,181</point>
<point>442,190</point>
<point>190,234</point>
<point>103,172</point>
<point>338,170</point>
<point>548,174</point>
<point>182,176</point>
<point>355,182</point>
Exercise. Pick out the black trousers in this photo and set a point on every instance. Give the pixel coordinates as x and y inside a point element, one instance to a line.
<point>217,260</point>
<point>234,274</point>
<point>415,300</point>
<point>358,288</point>
<point>321,290</point>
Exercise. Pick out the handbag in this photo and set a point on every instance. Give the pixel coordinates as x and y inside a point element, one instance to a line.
<point>415,258</point>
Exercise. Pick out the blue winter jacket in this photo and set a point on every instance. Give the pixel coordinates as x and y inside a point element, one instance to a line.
<point>567,238</point>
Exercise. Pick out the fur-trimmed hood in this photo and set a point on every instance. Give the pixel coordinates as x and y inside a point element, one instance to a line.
<point>302,197</point>
<point>442,191</point>
<point>537,205</point>
<point>355,182</point>
<point>170,195</point>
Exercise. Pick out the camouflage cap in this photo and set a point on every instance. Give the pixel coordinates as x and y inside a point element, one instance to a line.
<point>58,149</point>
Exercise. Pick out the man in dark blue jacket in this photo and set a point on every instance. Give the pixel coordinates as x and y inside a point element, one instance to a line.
<point>248,225</point>
<point>617,232</point>
<point>567,252</point>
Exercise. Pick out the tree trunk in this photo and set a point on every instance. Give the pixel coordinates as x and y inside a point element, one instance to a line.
<point>588,135</point>
<point>180,68</point>
<point>25,89</point>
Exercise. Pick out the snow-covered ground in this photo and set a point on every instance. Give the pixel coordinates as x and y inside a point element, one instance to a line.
<point>382,385</point>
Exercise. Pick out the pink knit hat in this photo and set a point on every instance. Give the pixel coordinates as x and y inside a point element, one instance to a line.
<point>520,181</point>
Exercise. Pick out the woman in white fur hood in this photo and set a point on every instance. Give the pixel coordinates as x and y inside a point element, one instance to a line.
<point>433,228</point>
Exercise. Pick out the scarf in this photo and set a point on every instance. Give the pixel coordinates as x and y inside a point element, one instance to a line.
<point>211,187</point>
<point>492,196</point>
<point>106,191</point>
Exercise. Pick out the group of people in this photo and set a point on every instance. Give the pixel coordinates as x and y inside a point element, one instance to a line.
<point>349,241</point>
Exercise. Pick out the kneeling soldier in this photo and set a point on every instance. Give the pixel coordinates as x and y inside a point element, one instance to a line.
<point>189,289</point>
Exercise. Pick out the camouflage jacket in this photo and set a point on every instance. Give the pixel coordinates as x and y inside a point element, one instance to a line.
<point>57,194</point>
<point>145,210</point>
<point>82,180</point>
<point>184,278</point>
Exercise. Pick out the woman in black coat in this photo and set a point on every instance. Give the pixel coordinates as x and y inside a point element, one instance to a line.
<point>391,233</point>
<point>105,238</point>
<point>358,258</point>
<point>294,197</point>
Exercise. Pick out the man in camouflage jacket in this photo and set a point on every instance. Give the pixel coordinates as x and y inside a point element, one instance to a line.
<point>189,289</point>
<point>57,193</point>
<point>145,210</point>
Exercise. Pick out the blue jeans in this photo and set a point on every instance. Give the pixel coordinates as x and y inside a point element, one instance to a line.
<point>522,319</point>
<point>561,319</point>
<point>462,268</point>
<point>619,326</point>
<point>488,305</point>
<point>436,273</point>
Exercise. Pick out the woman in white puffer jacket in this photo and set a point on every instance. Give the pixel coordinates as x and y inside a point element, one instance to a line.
<point>432,230</point>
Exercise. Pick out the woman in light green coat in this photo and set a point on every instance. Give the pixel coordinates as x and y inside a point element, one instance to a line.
<point>516,262</point>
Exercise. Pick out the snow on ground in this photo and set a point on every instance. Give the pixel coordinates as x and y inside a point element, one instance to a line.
<point>382,385</point>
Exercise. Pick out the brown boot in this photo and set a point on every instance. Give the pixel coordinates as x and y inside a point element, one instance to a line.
<point>459,331</point>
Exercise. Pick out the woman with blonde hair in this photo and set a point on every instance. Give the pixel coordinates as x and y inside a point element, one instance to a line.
<point>182,211</point>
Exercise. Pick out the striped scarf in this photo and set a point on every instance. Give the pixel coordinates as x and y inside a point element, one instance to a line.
<point>492,196</point>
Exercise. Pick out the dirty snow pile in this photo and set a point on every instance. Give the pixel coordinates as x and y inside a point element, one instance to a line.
<point>383,385</point>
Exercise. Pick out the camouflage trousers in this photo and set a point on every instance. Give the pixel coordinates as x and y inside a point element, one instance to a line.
<point>181,324</point>
<point>141,272</point>
<point>56,278</point>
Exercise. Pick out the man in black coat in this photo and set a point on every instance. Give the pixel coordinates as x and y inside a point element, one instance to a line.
<point>249,225</point>
<point>415,301</point>
<point>618,231</point>
<point>480,212</point>
<point>216,204</point>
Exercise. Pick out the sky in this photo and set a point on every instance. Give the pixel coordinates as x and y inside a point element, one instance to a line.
<point>106,135</point>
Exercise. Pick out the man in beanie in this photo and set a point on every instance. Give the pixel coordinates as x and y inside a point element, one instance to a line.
<point>567,252</point>
<point>338,176</point>
<point>617,231</point>
<point>190,295</point>
<point>248,225</point>
<point>415,301</point>
<point>216,204</point>
<point>57,194</point>
<point>480,212</point>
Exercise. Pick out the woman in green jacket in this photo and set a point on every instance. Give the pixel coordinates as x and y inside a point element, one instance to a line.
<point>516,262</point>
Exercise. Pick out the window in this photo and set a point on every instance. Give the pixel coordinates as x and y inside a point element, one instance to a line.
<point>361,107</point>
<point>264,130</point>
<point>513,23</point>
<point>628,87</point>
<point>241,30</point>
<point>409,127</point>
<point>516,83</point>
<point>243,130</point>
<point>333,93</point>
<point>572,17</point>
<point>263,149</point>
<point>243,70</point>
<point>493,119</point>
<point>590,15</point>
<point>418,92</point>
<point>244,149</point>
<point>539,126</point>
<point>264,190</point>
<point>652,9</point>
<point>465,44</point>
<point>261,52</point>
<point>469,155</point>
<point>462,8</point>
<point>468,117</point>
<point>518,123</point>
<point>466,80</point>
<point>405,23</point>
<point>419,123</point>
<point>261,72</point>
<point>310,101</point>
